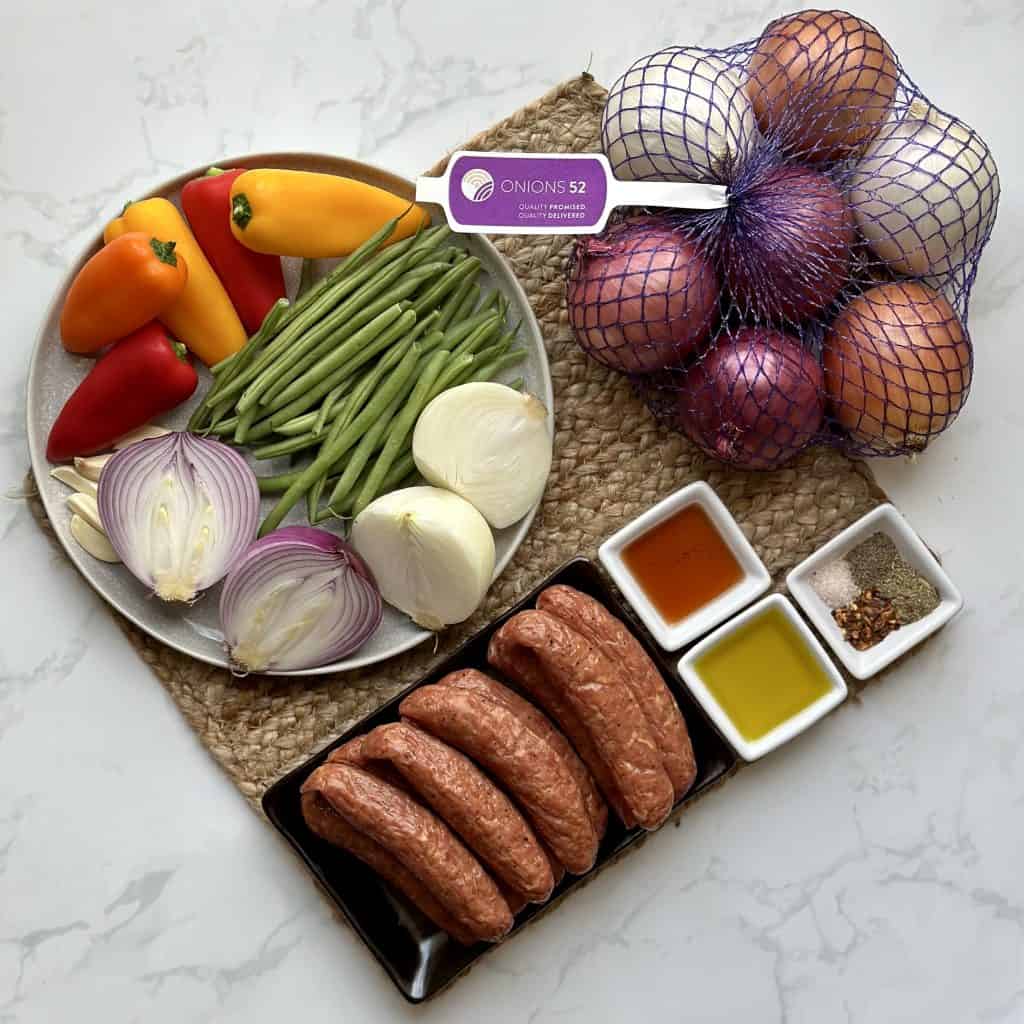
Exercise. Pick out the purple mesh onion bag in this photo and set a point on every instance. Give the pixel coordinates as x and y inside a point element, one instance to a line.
<point>828,301</point>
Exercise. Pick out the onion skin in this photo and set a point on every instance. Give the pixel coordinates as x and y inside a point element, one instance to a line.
<point>924,193</point>
<point>786,242</point>
<point>754,399</point>
<point>821,83</point>
<point>642,296</point>
<point>898,366</point>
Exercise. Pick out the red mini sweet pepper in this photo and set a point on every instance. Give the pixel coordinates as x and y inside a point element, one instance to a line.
<point>144,375</point>
<point>254,280</point>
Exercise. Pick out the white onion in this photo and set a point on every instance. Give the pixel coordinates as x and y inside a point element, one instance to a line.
<point>677,115</point>
<point>488,443</point>
<point>925,192</point>
<point>430,551</point>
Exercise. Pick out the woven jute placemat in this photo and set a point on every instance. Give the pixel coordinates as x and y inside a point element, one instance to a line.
<point>611,462</point>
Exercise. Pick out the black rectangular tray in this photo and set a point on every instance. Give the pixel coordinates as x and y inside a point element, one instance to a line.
<point>420,958</point>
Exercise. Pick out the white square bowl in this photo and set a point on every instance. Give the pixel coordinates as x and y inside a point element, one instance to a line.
<point>884,519</point>
<point>751,750</point>
<point>673,635</point>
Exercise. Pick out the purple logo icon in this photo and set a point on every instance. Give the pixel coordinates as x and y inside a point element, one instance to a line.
<point>477,185</point>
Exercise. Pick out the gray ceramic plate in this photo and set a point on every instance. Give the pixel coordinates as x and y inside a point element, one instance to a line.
<point>54,374</point>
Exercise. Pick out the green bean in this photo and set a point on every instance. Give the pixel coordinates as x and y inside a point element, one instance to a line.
<point>499,348</point>
<point>466,305</point>
<point>305,278</point>
<point>451,280</point>
<point>279,483</point>
<point>451,304</point>
<point>341,287</point>
<point>303,356</point>
<point>328,407</point>
<point>313,496</point>
<point>356,349</point>
<point>492,301</point>
<point>336,447</point>
<point>475,341</point>
<point>351,262</point>
<point>245,421</point>
<point>359,260</point>
<point>464,328</point>
<point>489,370</point>
<point>368,444</point>
<point>518,384</point>
<point>341,323</point>
<point>431,372</point>
<point>401,473</point>
<point>227,369</point>
<point>286,446</point>
<point>299,425</point>
<point>280,411</point>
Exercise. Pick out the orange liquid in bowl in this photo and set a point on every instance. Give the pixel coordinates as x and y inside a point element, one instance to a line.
<point>682,563</point>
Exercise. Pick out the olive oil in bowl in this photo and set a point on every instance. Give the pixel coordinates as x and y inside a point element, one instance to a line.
<point>763,677</point>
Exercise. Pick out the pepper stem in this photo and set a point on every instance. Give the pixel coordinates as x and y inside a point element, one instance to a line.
<point>164,251</point>
<point>179,350</point>
<point>213,172</point>
<point>241,210</point>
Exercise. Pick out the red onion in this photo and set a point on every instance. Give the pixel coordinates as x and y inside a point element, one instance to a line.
<point>297,598</point>
<point>178,510</point>
<point>642,295</point>
<point>786,242</point>
<point>754,399</point>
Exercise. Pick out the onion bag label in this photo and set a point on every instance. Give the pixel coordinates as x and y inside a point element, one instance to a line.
<point>537,193</point>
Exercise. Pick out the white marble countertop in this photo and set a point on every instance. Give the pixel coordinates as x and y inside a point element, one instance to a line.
<point>870,873</point>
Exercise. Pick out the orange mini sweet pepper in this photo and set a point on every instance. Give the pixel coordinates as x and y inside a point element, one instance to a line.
<point>125,285</point>
<point>202,317</point>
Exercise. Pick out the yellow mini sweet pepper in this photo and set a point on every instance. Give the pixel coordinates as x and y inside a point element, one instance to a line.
<point>302,213</point>
<point>203,316</point>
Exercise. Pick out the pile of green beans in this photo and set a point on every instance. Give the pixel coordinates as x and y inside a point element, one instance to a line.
<point>337,379</point>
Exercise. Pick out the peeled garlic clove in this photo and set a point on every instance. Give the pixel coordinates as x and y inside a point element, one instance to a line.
<point>91,467</point>
<point>430,551</point>
<point>489,444</point>
<point>92,540</point>
<point>66,475</point>
<point>85,506</point>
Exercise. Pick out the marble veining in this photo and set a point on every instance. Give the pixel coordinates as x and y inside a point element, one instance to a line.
<point>870,873</point>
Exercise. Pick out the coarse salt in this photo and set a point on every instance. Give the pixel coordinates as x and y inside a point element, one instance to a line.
<point>834,583</point>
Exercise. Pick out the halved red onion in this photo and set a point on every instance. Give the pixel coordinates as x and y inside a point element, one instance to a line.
<point>179,510</point>
<point>297,598</point>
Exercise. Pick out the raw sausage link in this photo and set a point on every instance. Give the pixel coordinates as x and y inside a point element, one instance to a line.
<point>472,806</point>
<point>423,844</point>
<point>331,827</point>
<point>519,665</point>
<point>538,722</point>
<point>352,752</point>
<point>583,679</point>
<point>613,638</point>
<point>532,773</point>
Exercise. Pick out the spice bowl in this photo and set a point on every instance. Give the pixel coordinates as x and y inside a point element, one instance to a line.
<point>884,519</point>
<point>754,578</point>
<point>788,713</point>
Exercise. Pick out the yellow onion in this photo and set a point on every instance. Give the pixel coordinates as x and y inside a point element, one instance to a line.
<point>821,82</point>
<point>897,366</point>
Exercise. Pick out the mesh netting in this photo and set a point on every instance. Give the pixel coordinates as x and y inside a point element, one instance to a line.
<point>828,301</point>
